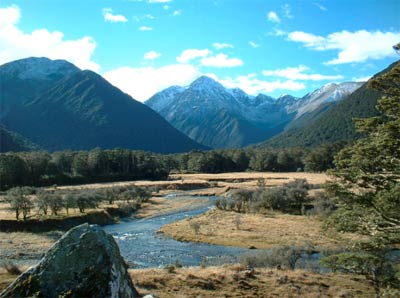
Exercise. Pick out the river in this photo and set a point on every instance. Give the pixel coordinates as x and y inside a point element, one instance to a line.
<point>143,247</point>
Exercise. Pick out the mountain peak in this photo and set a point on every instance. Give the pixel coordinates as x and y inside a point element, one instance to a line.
<point>39,68</point>
<point>205,82</point>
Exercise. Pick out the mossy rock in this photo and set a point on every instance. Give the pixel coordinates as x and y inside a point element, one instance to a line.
<point>85,262</point>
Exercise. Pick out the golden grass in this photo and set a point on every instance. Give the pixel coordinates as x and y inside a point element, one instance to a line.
<point>160,206</point>
<point>219,184</point>
<point>270,177</point>
<point>260,231</point>
<point>234,281</point>
<point>22,243</point>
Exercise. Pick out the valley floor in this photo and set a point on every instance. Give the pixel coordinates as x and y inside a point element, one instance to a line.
<point>236,281</point>
<point>255,230</point>
<point>219,227</point>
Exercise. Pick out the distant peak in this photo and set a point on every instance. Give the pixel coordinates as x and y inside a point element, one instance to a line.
<point>205,81</point>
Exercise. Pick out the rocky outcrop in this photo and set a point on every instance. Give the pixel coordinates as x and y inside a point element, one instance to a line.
<point>85,262</point>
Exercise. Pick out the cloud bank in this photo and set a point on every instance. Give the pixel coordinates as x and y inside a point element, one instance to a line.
<point>16,44</point>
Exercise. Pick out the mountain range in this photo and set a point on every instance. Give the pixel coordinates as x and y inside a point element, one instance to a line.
<point>219,117</point>
<point>335,124</point>
<point>53,105</point>
<point>57,106</point>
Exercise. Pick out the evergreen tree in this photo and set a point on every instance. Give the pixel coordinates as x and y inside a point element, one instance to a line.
<point>368,171</point>
<point>367,189</point>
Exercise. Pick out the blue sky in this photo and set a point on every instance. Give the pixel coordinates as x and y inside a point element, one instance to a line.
<point>261,46</point>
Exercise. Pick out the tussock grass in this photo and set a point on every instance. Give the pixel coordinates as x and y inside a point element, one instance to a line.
<point>255,230</point>
<point>235,281</point>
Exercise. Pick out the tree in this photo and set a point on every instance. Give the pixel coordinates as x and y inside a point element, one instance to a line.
<point>13,170</point>
<point>374,268</point>
<point>19,201</point>
<point>368,172</point>
<point>87,199</point>
<point>69,201</point>
<point>367,187</point>
<point>56,203</point>
<point>43,202</point>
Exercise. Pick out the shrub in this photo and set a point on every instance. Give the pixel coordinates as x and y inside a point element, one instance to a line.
<point>375,267</point>
<point>195,226</point>
<point>11,268</point>
<point>170,268</point>
<point>323,205</point>
<point>237,221</point>
<point>283,256</point>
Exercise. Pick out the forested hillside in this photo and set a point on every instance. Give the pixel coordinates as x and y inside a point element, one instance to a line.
<point>57,106</point>
<point>337,124</point>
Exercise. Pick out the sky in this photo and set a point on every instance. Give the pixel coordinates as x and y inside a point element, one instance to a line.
<point>261,46</point>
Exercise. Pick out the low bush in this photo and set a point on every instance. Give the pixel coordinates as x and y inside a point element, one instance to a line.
<point>281,257</point>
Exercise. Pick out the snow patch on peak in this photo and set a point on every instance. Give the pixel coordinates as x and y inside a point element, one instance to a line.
<point>205,84</point>
<point>164,98</point>
<point>328,93</point>
<point>39,68</point>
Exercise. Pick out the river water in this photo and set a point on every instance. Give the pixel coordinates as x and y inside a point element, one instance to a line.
<point>143,247</point>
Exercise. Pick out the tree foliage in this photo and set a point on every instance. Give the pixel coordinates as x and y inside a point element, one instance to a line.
<point>20,203</point>
<point>368,172</point>
<point>39,168</point>
<point>367,189</point>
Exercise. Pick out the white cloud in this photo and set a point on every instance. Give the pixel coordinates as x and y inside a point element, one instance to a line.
<point>221,60</point>
<point>113,18</point>
<point>297,73</point>
<point>309,40</point>
<point>287,11</point>
<point>145,28</point>
<point>177,13</point>
<point>142,83</point>
<point>252,85</point>
<point>361,79</point>
<point>17,44</point>
<point>151,55</point>
<point>191,54</point>
<point>358,46</point>
<point>166,7</point>
<point>273,17</point>
<point>253,44</point>
<point>144,17</point>
<point>320,6</point>
<point>220,46</point>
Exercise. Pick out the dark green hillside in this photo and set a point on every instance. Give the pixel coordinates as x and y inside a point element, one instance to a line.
<point>10,141</point>
<point>337,124</point>
<point>73,109</point>
<point>224,130</point>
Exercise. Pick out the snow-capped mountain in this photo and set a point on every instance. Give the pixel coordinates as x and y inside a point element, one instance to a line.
<point>165,98</point>
<point>219,117</point>
<point>328,93</point>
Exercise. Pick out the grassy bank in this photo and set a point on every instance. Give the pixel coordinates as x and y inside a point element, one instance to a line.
<point>254,230</point>
<point>235,281</point>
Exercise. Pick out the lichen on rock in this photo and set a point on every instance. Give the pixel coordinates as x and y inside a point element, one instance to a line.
<point>85,262</point>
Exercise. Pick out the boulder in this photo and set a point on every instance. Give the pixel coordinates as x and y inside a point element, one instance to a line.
<point>85,262</point>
